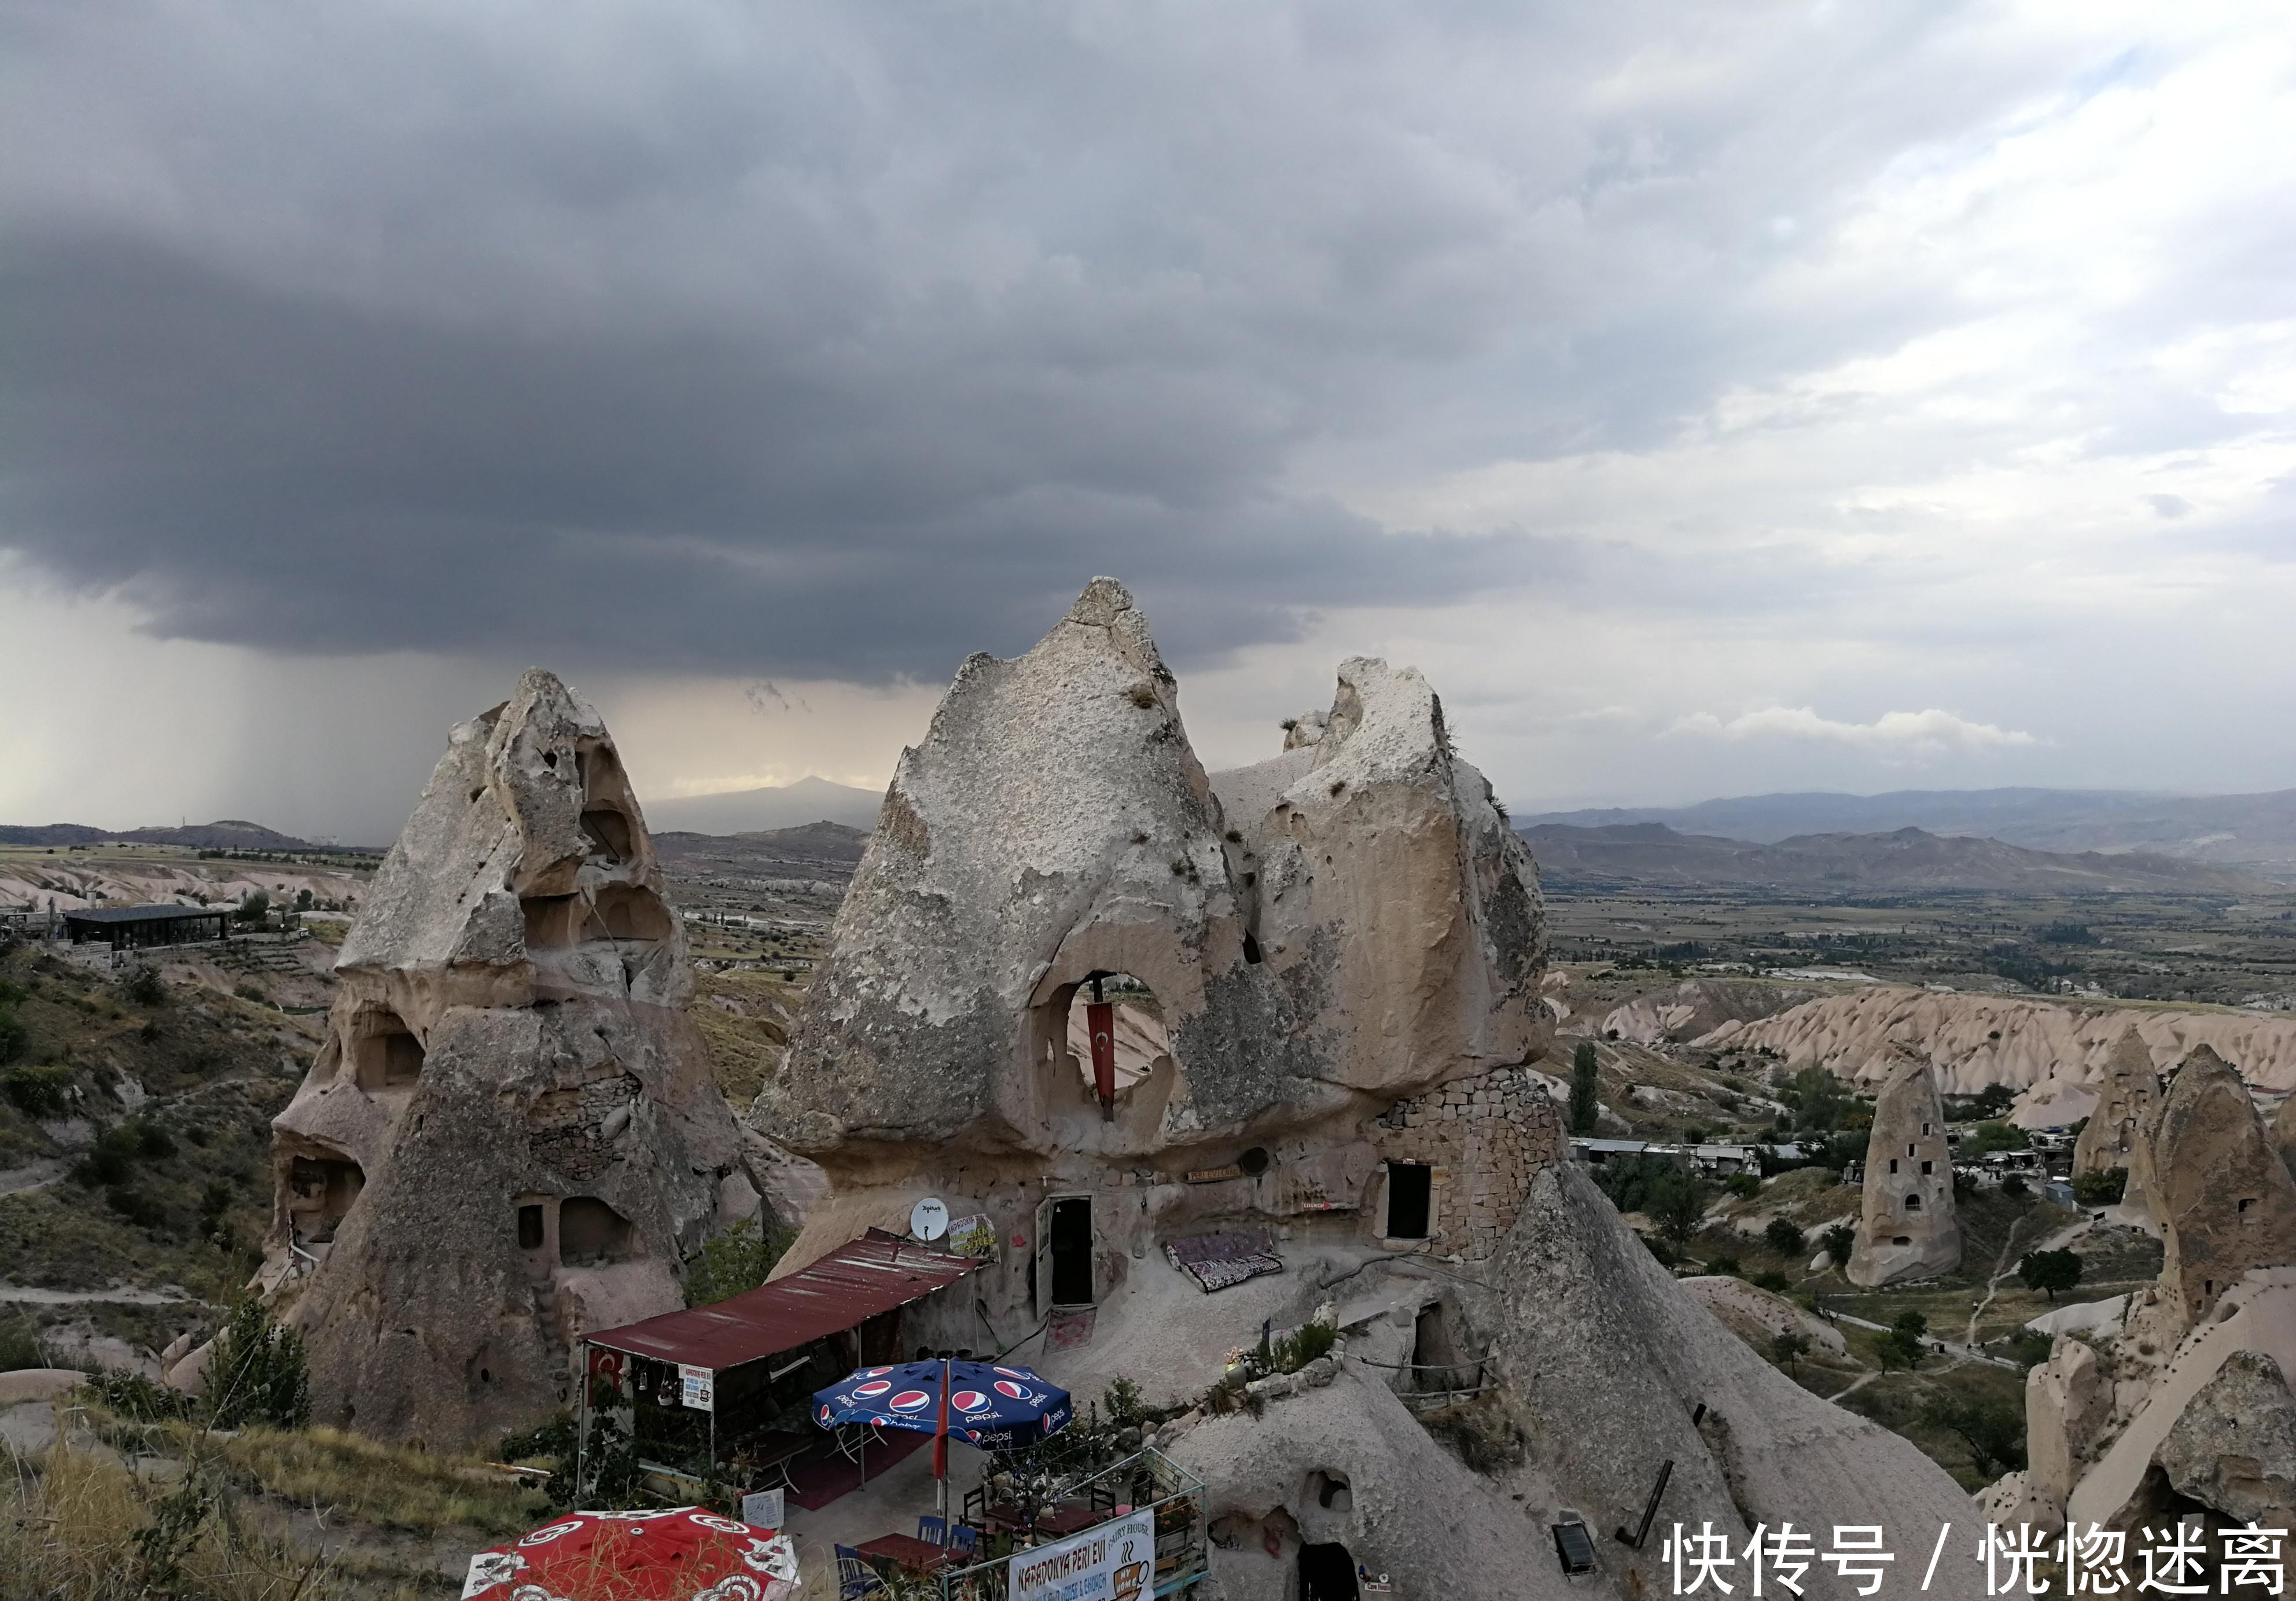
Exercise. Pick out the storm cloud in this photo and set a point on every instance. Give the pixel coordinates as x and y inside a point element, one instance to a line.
<point>1884,360</point>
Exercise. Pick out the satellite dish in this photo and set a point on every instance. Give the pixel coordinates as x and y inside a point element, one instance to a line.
<point>928,1218</point>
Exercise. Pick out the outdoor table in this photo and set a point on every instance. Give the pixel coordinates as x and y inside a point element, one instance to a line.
<point>906,1551</point>
<point>1056,1521</point>
<point>773,1453</point>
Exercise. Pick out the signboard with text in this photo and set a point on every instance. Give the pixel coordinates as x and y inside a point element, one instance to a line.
<point>697,1387</point>
<point>1116,1562</point>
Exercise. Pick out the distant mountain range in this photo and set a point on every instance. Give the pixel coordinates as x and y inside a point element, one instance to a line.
<point>226,833</point>
<point>1650,855</point>
<point>763,810</point>
<point>2234,830</point>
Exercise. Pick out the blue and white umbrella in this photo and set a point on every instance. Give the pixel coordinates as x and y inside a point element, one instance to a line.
<point>991,1407</point>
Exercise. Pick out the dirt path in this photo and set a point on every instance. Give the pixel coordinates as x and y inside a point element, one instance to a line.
<point>2003,1265</point>
<point>32,1176</point>
<point>123,1295</point>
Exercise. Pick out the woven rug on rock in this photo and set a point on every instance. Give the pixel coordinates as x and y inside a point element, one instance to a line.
<point>1218,1262</point>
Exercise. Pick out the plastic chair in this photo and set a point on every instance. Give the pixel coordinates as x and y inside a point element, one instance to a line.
<point>964,1538</point>
<point>855,1579</point>
<point>933,1528</point>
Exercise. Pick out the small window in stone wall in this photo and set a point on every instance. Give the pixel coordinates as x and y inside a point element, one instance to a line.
<point>1928,1168</point>
<point>1893,1164</point>
<point>1913,1203</point>
<point>530,1229</point>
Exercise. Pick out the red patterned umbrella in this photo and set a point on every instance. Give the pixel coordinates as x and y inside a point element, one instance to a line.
<point>684,1554</point>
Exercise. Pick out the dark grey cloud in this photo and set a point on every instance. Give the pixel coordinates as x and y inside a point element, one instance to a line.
<point>837,342</point>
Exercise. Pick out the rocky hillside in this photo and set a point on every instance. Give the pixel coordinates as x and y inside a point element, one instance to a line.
<point>2052,1052</point>
<point>1910,858</point>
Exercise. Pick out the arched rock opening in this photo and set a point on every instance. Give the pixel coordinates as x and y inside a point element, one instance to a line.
<point>382,1052</point>
<point>320,1194</point>
<point>1128,1011</point>
<point>592,1234</point>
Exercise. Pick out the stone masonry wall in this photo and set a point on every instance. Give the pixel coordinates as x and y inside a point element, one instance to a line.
<point>1485,1138</point>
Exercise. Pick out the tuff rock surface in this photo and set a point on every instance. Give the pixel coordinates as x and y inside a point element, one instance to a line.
<point>2121,1129</point>
<point>511,1133</point>
<point>2234,1447</point>
<point>2216,1186</point>
<point>2068,1409</point>
<point>1905,1228</point>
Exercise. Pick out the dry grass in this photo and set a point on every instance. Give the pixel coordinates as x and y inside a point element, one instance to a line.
<point>382,1486</point>
<point>79,1527</point>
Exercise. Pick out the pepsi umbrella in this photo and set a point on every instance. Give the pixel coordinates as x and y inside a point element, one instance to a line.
<point>996,1409</point>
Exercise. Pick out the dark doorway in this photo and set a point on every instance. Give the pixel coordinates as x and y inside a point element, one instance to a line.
<point>1327,1573</point>
<point>1071,1240</point>
<point>1410,1188</point>
<point>1434,1354</point>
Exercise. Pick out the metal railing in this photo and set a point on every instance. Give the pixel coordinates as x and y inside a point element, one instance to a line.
<point>1147,1482</point>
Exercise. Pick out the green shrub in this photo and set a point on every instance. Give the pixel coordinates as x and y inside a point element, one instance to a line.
<point>1744,1186</point>
<point>258,1374</point>
<point>1993,1430</point>
<point>1660,1249</point>
<point>20,1347</point>
<point>1988,1137</point>
<point>135,1398</point>
<point>1784,1237</point>
<point>1303,1345</point>
<point>37,1091</point>
<point>1773,1281</point>
<point>144,988</point>
<point>1122,1402</point>
<point>14,1038</point>
<point>254,909</point>
<point>736,1260</point>
<point>136,1206</point>
<point>1724,1264</point>
<point>1839,1239</point>
<point>2101,1186</point>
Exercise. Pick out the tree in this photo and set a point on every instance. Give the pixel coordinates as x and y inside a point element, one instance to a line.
<point>1819,1100</point>
<point>1840,1239</point>
<point>735,1261</point>
<point>2101,1186</point>
<point>255,907</point>
<point>258,1374</point>
<point>1677,1204</point>
<point>1902,1342</point>
<point>1784,1237</point>
<point>1789,1348</point>
<point>1585,1107</point>
<point>1993,1431</point>
<point>2049,1271</point>
<point>1994,1137</point>
<point>303,900</point>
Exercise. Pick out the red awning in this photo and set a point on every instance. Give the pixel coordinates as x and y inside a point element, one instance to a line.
<point>859,1279</point>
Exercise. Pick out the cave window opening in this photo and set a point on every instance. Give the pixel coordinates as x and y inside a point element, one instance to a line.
<point>1893,1164</point>
<point>1126,1011</point>
<point>320,1191</point>
<point>1327,1573</point>
<point>1251,949</point>
<point>1254,1161</point>
<point>384,1052</point>
<point>1903,1239</point>
<point>625,912</point>
<point>591,1232</point>
<point>1913,1203</point>
<point>1928,1169</point>
<point>529,1228</point>
<point>1410,1200</point>
<point>608,832</point>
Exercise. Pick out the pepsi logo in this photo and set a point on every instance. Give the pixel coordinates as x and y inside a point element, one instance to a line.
<point>908,1401</point>
<point>826,1415</point>
<point>876,1372</point>
<point>874,1388</point>
<point>1016,1373</point>
<point>1017,1392</point>
<point>968,1400</point>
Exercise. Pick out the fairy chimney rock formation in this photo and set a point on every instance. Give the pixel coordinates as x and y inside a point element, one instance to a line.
<point>2223,1198</point>
<point>1907,1229</point>
<point>2121,1127</point>
<point>511,1134</point>
<point>1350,920</point>
<point>2068,1409</point>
